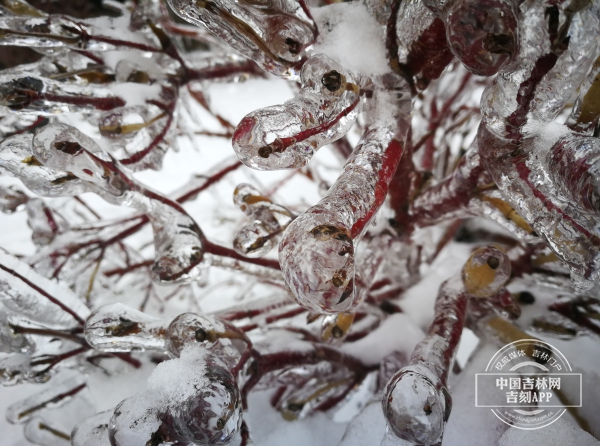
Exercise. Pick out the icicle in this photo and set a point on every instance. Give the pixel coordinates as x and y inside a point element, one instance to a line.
<point>43,222</point>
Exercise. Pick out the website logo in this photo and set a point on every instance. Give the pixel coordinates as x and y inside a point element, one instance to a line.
<point>526,384</point>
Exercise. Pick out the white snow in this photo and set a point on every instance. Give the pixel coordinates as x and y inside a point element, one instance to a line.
<point>352,37</point>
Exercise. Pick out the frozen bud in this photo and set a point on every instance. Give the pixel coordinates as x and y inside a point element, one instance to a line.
<point>275,34</point>
<point>318,257</point>
<point>191,328</point>
<point>335,327</point>
<point>416,405</point>
<point>63,146</point>
<point>17,159</point>
<point>259,207</point>
<point>254,239</point>
<point>11,199</point>
<point>133,423</point>
<point>140,136</point>
<point>119,328</point>
<point>122,123</point>
<point>486,271</point>
<point>213,415</point>
<point>211,333</point>
<point>10,339</point>
<point>286,136</point>
<point>483,34</point>
<point>258,237</point>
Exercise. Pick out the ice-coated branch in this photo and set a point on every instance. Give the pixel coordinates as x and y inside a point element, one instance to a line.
<point>37,298</point>
<point>286,136</point>
<point>317,253</point>
<point>416,401</point>
<point>177,238</point>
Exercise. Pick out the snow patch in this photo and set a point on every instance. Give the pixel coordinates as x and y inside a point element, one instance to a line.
<point>352,37</point>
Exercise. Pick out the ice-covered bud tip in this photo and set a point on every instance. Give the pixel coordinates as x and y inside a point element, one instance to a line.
<point>17,159</point>
<point>258,237</point>
<point>416,405</point>
<point>317,259</point>
<point>483,34</point>
<point>275,34</point>
<point>61,146</point>
<point>486,271</point>
<point>119,328</point>
<point>191,328</point>
<point>286,136</point>
<point>335,327</point>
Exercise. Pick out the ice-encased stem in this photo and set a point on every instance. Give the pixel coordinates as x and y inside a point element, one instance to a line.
<point>416,401</point>
<point>317,251</point>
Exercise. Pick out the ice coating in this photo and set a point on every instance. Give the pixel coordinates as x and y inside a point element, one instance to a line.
<point>286,136</point>
<point>209,332</point>
<point>16,159</point>
<point>419,41</point>
<point>23,25</point>
<point>257,237</point>
<point>11,199</point>
<point>64,389</point>
<point>37,298</point>
<point>275,34</point>
<point>119,328</point>
<point>178,239</point>
<point>573,164</point>
<point>317,252</point>
<point>587,107</point>
<point>521,93</point>
<point>93,431</point>
<point>482,34</point>
<point>523,155</point>
<point>416,401</point>
<point>191,399</point>
<point>25,94</point>
<point>335,327</point>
